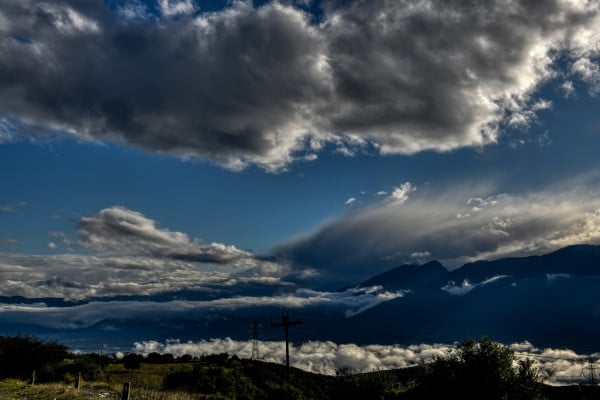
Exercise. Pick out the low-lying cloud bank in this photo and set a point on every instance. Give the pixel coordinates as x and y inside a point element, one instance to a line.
<point>349,303</point>
<point>556,366</point>
<point>314,356</point>
<point>466,286</point>
<point>272,84</point>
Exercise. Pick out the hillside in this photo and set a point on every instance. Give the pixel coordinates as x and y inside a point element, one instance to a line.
<point>162,377</point>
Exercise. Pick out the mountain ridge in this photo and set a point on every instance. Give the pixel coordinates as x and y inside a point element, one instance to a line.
<point>574,260</point>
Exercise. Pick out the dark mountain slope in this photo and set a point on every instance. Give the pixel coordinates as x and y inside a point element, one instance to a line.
<point>411,276</point>
<point>581,260</point>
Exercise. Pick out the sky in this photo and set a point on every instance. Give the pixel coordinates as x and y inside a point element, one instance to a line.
<point>153,146</point>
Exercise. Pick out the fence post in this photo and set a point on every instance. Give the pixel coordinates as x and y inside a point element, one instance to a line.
<point>78,381</point>
<point>126,390</point>
<point>33,378</point>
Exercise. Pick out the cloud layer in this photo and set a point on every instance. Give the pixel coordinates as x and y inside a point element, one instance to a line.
<point>269,85</point>
<point>556,366</point>
<point>132,256</point>
<point>350,302</point>
<point>454,226</point>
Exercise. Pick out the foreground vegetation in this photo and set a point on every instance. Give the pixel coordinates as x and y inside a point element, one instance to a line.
<point>475,370</point>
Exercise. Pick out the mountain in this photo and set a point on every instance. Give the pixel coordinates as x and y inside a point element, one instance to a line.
<point>550,300</point>
<point>580,260</point>
<point>413,276</point>
<point>577,260</point>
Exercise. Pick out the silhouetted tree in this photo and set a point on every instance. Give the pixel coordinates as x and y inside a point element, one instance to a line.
<point>186,358</point>
<point>218,359</point>
<point>21,355</point>
<point>132,361</point>
<point>157,358</point>
<point>482,370</point>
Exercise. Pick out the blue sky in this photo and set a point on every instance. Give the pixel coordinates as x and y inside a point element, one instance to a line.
<point>312,141</point>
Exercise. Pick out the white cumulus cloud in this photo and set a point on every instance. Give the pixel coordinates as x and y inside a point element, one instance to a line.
<point>400,194</point>
<point>176,7</point>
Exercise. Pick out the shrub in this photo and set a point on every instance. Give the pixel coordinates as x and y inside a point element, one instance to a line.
<point>21,355</point>
<point>482,370</point>
<point>157,358</point>
<point>91,366</point>
<point>132,361</point>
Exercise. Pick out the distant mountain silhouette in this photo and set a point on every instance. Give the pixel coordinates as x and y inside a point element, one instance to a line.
<point>411,276</point>
<point>551,300</point>
<point>579,260</point>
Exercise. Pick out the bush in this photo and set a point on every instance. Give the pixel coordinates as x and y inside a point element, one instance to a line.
<point>132,361</point>
<point>157,358</point>
<point>21,355</point>
<point>90,366</point>
<point>186,358</point>
<point>482,370</point>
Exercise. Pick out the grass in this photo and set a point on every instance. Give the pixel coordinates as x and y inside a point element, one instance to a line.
<point>204,380</point>
<point>145,385</point>
<point>12,389</point>
<point>149,376</point>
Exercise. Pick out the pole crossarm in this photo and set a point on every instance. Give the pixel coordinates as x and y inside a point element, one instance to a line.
<point>286,323</point>
<point>289,323</point>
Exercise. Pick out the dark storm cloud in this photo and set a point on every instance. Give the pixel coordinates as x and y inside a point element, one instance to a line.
<point>230,86</point>
<point>441,75</point>
<point>448,226</point>
<point>266,85</point>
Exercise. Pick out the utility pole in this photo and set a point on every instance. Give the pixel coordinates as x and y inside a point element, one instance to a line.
<point>589,372</point>
<point>255,333</point>
<point>286,323</point>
